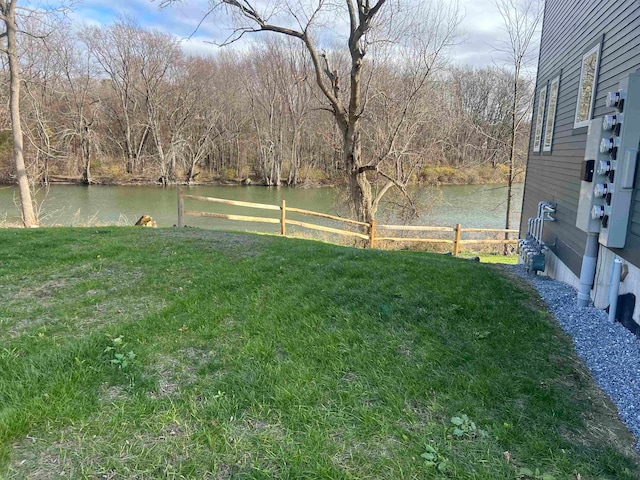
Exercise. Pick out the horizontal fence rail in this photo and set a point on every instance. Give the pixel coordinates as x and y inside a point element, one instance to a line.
<point>368,231</point>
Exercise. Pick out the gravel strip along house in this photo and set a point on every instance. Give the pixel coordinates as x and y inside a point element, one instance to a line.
<point>603,345</point>
<point>581,207</point>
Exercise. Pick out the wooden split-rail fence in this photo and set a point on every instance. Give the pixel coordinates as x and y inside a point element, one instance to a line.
<point>374,232</point>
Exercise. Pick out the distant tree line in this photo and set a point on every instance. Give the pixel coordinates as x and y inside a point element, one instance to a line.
<point>119,103</point>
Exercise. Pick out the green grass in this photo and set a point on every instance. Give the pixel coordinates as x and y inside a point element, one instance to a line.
<point>265,357</point>
<point>497,258</point>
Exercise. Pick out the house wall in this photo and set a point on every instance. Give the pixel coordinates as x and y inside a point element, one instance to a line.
<point>570,29</point>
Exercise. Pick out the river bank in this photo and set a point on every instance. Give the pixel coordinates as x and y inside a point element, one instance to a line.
<point>429,176</point>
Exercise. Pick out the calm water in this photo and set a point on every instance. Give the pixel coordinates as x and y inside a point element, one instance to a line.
<point>481,206</point>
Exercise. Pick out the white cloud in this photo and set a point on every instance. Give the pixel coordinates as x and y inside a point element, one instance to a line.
<point>482,27</point>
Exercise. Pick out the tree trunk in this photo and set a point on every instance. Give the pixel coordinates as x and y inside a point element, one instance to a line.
<point>359,186</point>
<point>85,151</point>
<point>512,155</point>
<point>26,204</point>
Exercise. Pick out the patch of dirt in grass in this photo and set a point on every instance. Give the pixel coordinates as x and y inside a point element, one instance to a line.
<point>166,369</point>
<point>420,417</point>
<point>75,454</point>
<point>28,323</point>
<point>230,244</point>
<point>133,308</point>
<point>171,430</point>
<point>224,472</point>
<point>349,378</point>
<point>112,393</point>
<point>353,454</point>
<point>249,428</point>
<point>32,304</point>
<point>123,307</point>
<point>27,288</point>
<point>176,371</point>
<point>35,459</point>
<point>46,289</point>
<point>405,350</point>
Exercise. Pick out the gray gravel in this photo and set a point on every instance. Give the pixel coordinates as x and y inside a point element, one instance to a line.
<point>610,351</point>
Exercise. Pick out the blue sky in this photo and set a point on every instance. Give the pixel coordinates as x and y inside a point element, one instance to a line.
<point>482,26</point>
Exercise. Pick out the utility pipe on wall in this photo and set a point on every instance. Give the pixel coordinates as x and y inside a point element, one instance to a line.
<point>588,270</point>
<point>613,289</point>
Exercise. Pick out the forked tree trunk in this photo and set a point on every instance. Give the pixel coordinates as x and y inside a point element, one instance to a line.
<point>85,151</point>
<point>359,186</point>
<point>26,204</point>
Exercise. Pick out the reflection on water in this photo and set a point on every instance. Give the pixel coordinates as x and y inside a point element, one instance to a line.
<point>481,206</point>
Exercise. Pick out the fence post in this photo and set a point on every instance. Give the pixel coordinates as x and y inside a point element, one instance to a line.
<point>283,221</point>
<point>180,208</point>
<point>372,234</point>
<point>456,242</point>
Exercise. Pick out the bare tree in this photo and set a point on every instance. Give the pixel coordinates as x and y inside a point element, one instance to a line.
<point>159,58</point>
<point>196,116</point>
<point>81,102</point>
<point>481,117</point>
<point>368,24</point>
<point>405,96</point>
<point>114,48</point>
<point>521,19</point>
<point>8,18</point>
<point>268,114</point>
<point>42,113</point>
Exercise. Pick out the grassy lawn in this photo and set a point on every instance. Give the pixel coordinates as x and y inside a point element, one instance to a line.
<point>496,258</point>
<point>141,353</point>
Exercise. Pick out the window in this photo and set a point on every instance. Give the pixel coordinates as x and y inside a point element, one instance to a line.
<point>587,90</point>
<point>542,97</point>
<point>551,114</point>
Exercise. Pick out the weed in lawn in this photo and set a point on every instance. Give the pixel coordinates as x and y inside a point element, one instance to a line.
<point>118,355</point>
<point>432,458</point>
<point>528,474</point>
<point>464,427</point>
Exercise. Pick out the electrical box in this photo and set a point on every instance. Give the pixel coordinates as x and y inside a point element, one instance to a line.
<point>593,178</point>
<point>620,144</point>
<point>609,167</point>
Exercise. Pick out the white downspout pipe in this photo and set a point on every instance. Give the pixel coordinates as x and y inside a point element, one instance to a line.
<point>541,206</point>
<point>588,270</point>
<point>613,289</point>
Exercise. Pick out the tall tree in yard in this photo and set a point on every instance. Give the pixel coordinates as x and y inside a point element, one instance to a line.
<point>369,26</point>
<point>521,19</point>
<point>8,17</point>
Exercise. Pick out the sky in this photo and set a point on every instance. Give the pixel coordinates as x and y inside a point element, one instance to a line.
<point>481,29</point>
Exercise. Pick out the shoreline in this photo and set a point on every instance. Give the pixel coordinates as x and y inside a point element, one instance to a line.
<point>110,182</point>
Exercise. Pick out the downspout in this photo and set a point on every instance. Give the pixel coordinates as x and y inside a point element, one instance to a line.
<point>538,233</point>
<point>588,270</point>
<point>613,289</point>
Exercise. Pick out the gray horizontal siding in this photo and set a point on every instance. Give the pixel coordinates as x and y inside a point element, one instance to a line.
<point>570,28</point>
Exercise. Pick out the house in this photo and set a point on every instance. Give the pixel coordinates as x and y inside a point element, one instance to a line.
<point>582,187</point>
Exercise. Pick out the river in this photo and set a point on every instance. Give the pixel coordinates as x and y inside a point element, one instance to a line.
<point>480,206</point>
